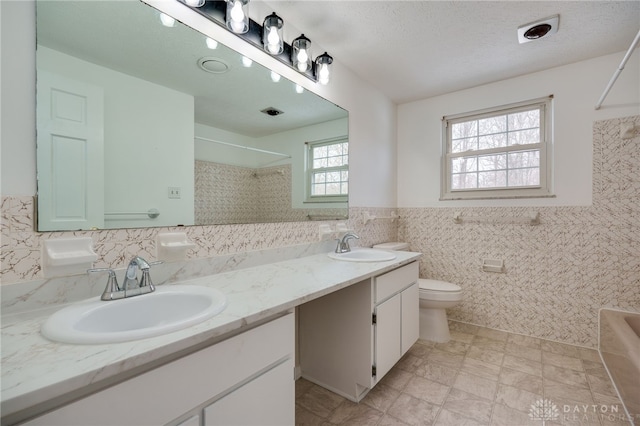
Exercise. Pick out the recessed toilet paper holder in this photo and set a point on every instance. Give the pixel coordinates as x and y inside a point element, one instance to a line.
<point>493,265</point>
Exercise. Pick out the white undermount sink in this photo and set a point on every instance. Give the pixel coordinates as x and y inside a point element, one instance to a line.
<point>169,308</point>
<point>363,255</point>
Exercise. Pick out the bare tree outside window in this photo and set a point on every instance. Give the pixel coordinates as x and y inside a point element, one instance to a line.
<point>496,150</point>
<point>329,169</point>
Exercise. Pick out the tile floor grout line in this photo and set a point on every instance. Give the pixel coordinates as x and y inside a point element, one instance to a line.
<point>556,353</point>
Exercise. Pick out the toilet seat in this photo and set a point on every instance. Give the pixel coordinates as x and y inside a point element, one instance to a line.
<point>437,286</point>
<point>438,291</point>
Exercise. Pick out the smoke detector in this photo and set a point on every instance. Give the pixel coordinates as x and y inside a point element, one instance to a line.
<point>538,29</point>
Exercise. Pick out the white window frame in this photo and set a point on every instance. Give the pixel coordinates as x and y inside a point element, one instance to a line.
<point>310,170</point>
<point>544,189</point>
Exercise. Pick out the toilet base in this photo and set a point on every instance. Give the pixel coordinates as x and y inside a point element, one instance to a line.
<point>434,325</point>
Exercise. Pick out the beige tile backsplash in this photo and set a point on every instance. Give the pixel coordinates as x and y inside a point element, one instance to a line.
<point>558,274</point>
<point>21,245</point>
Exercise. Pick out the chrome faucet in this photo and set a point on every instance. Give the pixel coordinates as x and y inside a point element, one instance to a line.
<point>343,243</point>
<point>131,286</point>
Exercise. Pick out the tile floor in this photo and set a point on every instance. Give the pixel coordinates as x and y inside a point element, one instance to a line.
<point>481,377</point>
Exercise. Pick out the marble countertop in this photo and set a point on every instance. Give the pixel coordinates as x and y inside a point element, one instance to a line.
<point>36,370</point>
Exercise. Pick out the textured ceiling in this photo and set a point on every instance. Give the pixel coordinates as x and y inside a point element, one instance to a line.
<point>413,50</point>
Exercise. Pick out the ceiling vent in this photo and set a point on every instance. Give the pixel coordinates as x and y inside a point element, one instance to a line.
<point>537,30</point>
<point>213,65</point>
<point>272,111</point>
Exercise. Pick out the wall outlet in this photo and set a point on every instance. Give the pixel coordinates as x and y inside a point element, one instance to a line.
<point>175,192</point>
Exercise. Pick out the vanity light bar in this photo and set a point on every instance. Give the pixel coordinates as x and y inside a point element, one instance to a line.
<point>215,11</point>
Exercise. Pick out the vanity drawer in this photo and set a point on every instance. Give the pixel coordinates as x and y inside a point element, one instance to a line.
<point>181,387</point>
<point>395,281</point>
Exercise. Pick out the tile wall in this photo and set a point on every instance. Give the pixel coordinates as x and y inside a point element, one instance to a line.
<point>21,245</point>
<point>557,274</point>
<point>232,194</point>
<point>224,193</point>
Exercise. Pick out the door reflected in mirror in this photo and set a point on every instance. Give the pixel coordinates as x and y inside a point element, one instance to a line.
<point>143,125</point>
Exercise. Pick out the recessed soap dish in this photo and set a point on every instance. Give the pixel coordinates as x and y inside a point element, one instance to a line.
<point>67,256</point>
<point>173,246</point>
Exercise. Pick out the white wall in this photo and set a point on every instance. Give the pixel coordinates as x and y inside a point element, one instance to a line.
<point>371,114</point>
<point>148,135</point>
<point>576,89</point>
<point>224,154</point>
<point>17,85</point>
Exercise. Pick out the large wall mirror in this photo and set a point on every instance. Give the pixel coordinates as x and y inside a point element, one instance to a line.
<point>140,125</point>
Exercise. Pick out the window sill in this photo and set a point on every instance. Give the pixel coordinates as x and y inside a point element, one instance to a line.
<point>494,197</point>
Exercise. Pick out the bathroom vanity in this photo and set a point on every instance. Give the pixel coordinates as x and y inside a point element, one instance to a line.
<point>226,370</point>
<point>210,386</point>
<point>349,340</point>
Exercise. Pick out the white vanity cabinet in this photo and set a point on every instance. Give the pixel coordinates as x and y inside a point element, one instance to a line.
<point>349,339</point>
<point>396,315</point>
<point>245,379</point>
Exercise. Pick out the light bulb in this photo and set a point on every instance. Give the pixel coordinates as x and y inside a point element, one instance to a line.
<point>273,37</point>
<point>275,77</point>
<point>300,53</point>
<point>167,20</point>
<point>303,56</point>
<point>194,3</point>
<point>211,43</point>
<point>273,41</point>
<point>272,34</point>
<point>237,17</point>
<point>323,71</point>
<point>299,89</point>
<point>246,61</point>
<point>303,60</point>
<point>323,74</point>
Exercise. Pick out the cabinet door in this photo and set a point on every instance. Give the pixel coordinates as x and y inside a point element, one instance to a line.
<point>410,317</point>
<point>387,335</point>
<point>266,400</point>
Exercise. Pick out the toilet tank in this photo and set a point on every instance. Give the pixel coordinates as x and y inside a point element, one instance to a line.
<point>392,245</point>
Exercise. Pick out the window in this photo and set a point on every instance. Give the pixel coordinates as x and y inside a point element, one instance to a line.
<point>328,170</point>
<point>502,152</point>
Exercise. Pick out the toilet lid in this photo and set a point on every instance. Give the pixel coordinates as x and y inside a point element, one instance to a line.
<point>437,285</point>
<point>392,245</point>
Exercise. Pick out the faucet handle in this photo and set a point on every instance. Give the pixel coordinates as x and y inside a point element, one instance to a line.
<point>112,287</point>
<point>145,280</point>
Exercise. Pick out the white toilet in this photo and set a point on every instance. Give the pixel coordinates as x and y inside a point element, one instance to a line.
<point>435,297</point>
